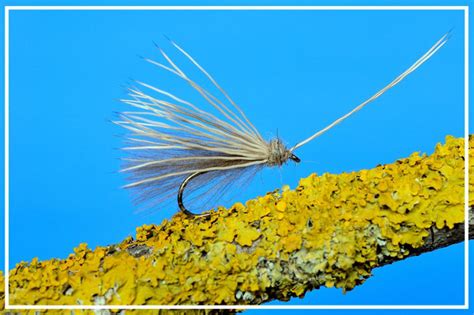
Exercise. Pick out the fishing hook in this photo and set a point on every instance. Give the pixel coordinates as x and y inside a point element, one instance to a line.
<point>180,196</point>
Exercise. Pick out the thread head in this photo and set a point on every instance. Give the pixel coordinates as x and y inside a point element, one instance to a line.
<point>279,154</point>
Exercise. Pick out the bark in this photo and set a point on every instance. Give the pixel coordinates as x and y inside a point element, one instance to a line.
<point>440,238</point>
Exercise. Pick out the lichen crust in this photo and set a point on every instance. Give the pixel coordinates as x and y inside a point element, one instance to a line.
<point>331,230</point>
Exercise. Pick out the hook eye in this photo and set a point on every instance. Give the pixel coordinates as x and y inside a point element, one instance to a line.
<point>295,158</point>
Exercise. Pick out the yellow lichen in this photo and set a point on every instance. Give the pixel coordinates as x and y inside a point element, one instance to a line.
<point>331,230</point>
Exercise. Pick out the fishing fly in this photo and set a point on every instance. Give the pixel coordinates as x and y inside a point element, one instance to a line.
<point>175,145</point>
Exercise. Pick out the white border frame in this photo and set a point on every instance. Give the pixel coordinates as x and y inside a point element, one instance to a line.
<point>465,9</point>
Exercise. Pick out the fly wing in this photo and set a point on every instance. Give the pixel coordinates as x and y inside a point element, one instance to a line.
<point>171,139</point>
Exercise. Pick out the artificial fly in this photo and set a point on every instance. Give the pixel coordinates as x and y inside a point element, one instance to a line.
<point>176,145</point>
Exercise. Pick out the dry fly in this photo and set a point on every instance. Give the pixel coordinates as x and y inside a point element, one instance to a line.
<point>175,144</point>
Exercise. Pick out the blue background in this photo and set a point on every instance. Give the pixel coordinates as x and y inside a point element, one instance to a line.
<point>292,72</point>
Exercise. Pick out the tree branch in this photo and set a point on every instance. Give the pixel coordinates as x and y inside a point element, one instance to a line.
<point>332,230</point>
<point>439,238</point>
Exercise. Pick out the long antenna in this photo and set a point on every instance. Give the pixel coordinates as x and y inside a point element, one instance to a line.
<point>397,80</point>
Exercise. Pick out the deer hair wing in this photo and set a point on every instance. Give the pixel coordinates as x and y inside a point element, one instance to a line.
<point>171,138</point>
